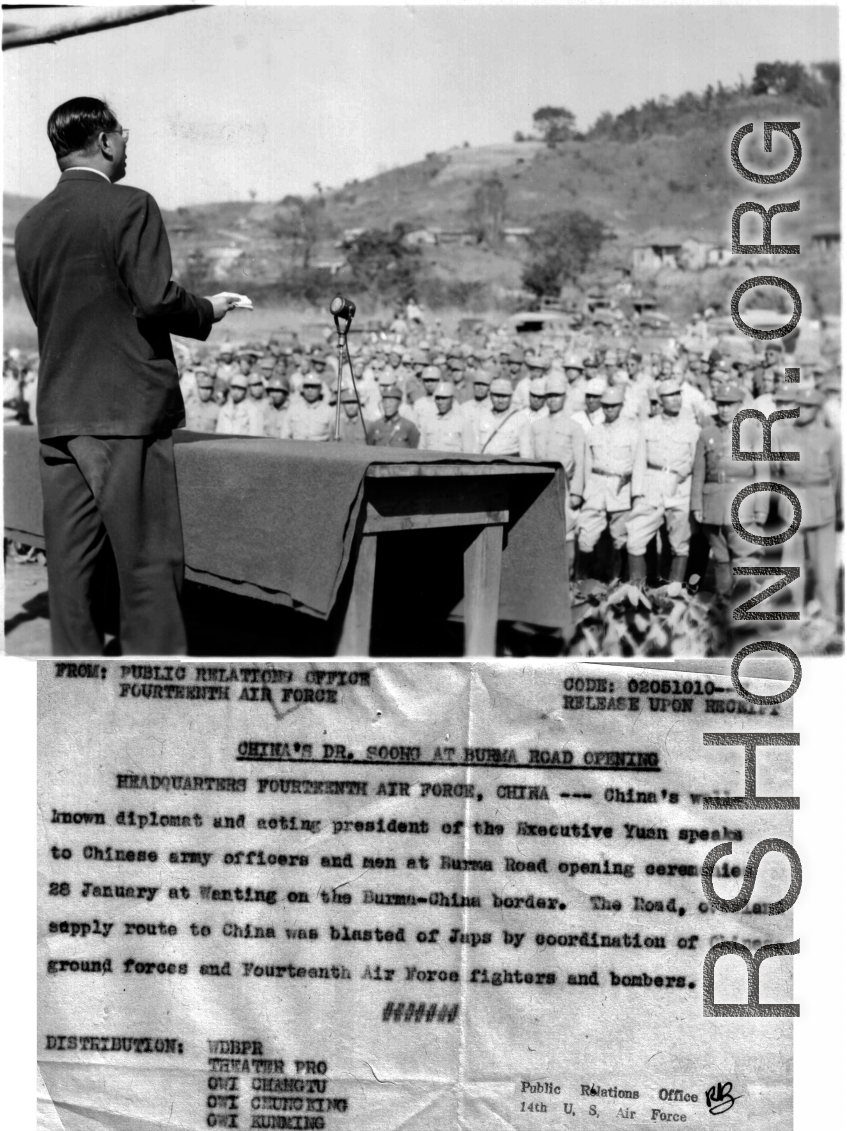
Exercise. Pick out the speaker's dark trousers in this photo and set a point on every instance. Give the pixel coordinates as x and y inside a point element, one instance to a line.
<point>122,488</point>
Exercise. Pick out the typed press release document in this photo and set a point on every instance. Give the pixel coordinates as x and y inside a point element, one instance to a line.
<point>364,897</point>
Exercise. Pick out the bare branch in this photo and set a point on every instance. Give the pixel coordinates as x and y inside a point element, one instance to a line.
<point>17,36</point>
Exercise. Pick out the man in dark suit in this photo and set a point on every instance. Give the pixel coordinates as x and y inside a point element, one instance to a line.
<point>95,269</point>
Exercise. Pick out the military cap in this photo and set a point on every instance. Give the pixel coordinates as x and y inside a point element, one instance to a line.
<point>439,359</point>
<point>669,386</point>
<point>348,394</point>
<point>455,362</point>
<point>536,362</point>
<point>832,384</point>
<point>538,387</point>
<point>612,395</point>
<point>205,381</point>
<point>431,373</point>
<point>251,351</point>
<point>516,355</point>
<point>556,383</point>
<point>444,389</point>
<point>392,392</point>
<point>239,381</point>
<point>318,358</point>
<point>385,377</point>
<point>596,387</point>
<point>280,383</point>
<point>505,349</point>
<point>501,386</point>
<point>255,378</point>
<point>406,357</point>
<point>267,364</point>
<point>480,377</point>
<point>809,396</point>
<point>653,394</point>
<point>774,345</point>
<point>419,357</point>
<point>729,394</point>
<point>784,393</point>
<point>312,379</point>
<point>573,361</point>
<point>635,354</point>
<point>226,347</point>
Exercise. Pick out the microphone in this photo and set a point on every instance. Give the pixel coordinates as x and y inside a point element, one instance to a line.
<point>342,307</point>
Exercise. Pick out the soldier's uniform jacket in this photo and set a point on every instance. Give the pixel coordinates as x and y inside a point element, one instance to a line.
<point>224,374</point>
<point>202,416</point>
<point>470,410</point>
<point>395,433</point>
<point>816,478</point>
<point>575,397</point>
<point>351,430</point>
<point>499,433</point>
<point>717,477</point>
<point>275,420</point>
<point>664,460</point>
<point>444,432</point>
<point>424,409</point>
<point>609,453</point>
<point>242,419</point>
<point>309,421</point>
<point>587,420</point>
<point>556,437</point>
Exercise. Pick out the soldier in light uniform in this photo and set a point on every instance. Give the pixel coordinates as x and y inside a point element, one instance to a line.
<point>537,397</point>
<point>225,371</point>
<point>481,401</point>
<point>256,384</point>
<point>717,478</point>
<point>816,481</point>
<point>309,417</point>
<point>605,499</point>
<point>352,431</point>
<point>201,414</point>
<point>239,416</point>
<point>424,407</point>
<point>276,411</point>
<point>661,484</point>
<point>577,380</point>
<point>499,430</point>
<point>592,413</point>
<point>392,430</point>
<point>555,436</point>
<point>444,431</point>
<point>537,371</point>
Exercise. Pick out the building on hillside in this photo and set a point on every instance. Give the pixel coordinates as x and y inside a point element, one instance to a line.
<point>718,255</point>
<point>420,237</point>
<point>517,237</point>
<point>659,249</point>
<point>827,240</point>
<point>454,235</point>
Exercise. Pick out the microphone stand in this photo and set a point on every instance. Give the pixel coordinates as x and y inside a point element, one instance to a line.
<point>341,332</point>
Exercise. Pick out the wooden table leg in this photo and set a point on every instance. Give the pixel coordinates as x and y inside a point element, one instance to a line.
<point>355,639</point>
<point>482,591</point>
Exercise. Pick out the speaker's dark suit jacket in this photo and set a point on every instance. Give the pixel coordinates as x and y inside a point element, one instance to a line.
<point>95,268</point>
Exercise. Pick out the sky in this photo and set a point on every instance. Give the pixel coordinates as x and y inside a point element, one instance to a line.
<point>227,100</point>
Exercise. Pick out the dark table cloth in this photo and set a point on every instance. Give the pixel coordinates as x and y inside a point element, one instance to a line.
<point>275,519</point>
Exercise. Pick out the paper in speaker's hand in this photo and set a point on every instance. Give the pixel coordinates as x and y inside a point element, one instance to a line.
<point>243,303</point>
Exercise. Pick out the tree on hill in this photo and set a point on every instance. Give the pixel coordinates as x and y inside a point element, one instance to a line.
<point>383,264</point>
<point>487,213</point>
<point>553,124</point>
<point>303,221</point>
<point>562,246</point>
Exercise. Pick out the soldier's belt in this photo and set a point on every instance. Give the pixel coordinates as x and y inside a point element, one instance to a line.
<point>725,477</point>
<point>805,481</point>
<point>611,474</point>
<point>657,466</point>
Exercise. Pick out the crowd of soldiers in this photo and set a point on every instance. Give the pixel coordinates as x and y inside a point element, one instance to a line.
<point>644,437</point>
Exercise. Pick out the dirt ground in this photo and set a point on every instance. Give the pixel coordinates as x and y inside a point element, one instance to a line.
<point>27,626</point>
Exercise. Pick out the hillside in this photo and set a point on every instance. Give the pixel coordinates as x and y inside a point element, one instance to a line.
<point>679,183</point>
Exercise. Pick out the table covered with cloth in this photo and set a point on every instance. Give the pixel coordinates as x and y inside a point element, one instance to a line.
<point>276,520</point>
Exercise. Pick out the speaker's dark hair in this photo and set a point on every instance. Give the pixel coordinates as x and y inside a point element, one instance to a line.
<point>73,126</point>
